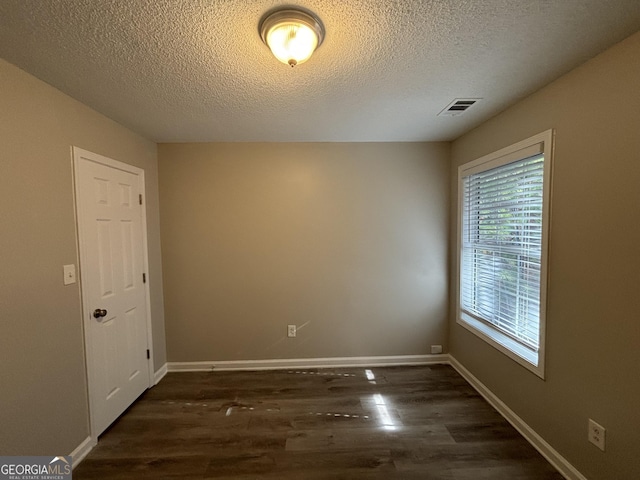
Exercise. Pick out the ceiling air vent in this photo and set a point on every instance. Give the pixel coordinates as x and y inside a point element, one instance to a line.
<point>458,106</point>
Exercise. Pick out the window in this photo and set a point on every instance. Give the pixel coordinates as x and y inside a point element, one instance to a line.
<point>503,224</point>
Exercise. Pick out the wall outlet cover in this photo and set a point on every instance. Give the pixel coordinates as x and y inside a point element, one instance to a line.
<point>596,434</point>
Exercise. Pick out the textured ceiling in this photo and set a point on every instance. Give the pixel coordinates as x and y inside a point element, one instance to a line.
<point>197,71</point>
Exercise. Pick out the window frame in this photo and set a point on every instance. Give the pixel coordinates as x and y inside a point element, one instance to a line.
<point>540,143</point>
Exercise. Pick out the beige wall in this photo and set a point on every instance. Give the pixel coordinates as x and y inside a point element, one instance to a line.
<point>347,241</point>
<point>43,399</point>
<point>593,332</point>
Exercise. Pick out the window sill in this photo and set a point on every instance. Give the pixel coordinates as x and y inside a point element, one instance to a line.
<point>507,345</point>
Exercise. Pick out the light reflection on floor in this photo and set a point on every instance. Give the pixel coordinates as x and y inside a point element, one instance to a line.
<point>383,412</point>
<point>384,417</point>
<point>339,415</point>
<point>370,376</point>
<point>381,405</point>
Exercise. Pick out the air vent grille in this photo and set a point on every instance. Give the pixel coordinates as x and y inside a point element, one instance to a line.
<point>458,106</point>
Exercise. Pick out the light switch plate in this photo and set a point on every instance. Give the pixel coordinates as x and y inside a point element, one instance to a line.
<point>69,274</point>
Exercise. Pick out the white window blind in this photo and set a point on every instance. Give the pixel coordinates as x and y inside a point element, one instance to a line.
<point>503,218</point>
<point>501,248</point>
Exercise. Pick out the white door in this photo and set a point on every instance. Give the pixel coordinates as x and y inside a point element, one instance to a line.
<point>112,259</point>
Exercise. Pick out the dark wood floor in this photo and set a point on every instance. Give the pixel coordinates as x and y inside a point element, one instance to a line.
<point>356,423</point>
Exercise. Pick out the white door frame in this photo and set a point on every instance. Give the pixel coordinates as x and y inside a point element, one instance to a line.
<point>77,154</point>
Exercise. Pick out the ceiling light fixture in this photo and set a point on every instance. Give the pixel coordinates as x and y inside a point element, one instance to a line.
<point>292,34</point>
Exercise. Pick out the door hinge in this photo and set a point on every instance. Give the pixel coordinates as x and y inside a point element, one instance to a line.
<point>148,354</point>
<point>144,278</point>
<point>140,198</point>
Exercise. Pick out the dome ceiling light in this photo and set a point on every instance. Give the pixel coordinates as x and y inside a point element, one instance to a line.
<point>292,34</point>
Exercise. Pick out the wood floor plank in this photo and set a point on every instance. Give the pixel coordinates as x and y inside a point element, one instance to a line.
<point>352,423</point>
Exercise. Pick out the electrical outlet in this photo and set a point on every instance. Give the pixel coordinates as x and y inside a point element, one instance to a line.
<point>596,434</point>
<point>291,330</point>
<point>436,348</point>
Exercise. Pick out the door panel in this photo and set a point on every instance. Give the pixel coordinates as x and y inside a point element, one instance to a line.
<point>104,258</point>
<point>128,267</point>
<point>110,220</point>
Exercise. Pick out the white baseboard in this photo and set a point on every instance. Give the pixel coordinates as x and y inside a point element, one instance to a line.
<point>82,451</point>
<point>332,362</point>
<point>546,450</point>
<point>159,375</point>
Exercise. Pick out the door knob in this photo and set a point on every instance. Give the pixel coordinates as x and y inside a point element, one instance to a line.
<point>99,313</point>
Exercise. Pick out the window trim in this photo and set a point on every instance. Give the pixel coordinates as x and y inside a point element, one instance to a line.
<point>543,142</point>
